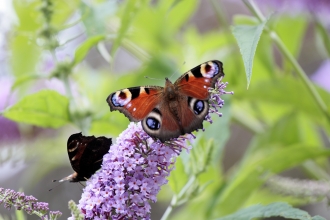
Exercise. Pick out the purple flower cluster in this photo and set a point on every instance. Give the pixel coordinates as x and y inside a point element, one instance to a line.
<point>27,203</point>
<point>134,170</point>
<point>131,176</point>
<point>215,101</point>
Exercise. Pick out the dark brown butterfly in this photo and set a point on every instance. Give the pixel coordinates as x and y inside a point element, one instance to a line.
<point>86,155</point>
<point>170,111</point>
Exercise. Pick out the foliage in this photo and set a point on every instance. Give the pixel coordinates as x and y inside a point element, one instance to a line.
<point>282,108</point>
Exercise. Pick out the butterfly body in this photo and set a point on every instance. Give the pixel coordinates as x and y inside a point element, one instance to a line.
<point>170,111</point>
<point>86,155</point>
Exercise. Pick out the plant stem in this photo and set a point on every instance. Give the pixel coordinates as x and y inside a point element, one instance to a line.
<point>284,50</point>
<point>319,101</point>
<point>176,198</point>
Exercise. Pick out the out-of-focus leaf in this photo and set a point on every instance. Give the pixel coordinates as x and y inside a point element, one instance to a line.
<point>45,108</point>
<point>83,49</point>
<point>24,50</point>
<point>247,38</point>
<point>292,129</point>
<point>265,196</point>
<point>178,177</point>
<point>291,39</point>
<point>285,91</point>
<point>19,214</point>
<point>23,79</point>
<point>219,130</point>
<point>63,10</point>
<point>179,12</point>
<point>249,177</point>
<point>110,123</point>
<point>209,46</point>
<point>271,210</point>
<point>193,209</point>
<point>158,37</point>
<point>23,45</point>
<point>157,69</point>
<point>264,66</point>
<point>246,117</point>
<point>128,14</point>
<point>94,14</point>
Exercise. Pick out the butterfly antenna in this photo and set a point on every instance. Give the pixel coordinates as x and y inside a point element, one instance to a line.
<point>148,77</point>
<point>55,186</point>
<point>81,184</point>
<point>176,71</point>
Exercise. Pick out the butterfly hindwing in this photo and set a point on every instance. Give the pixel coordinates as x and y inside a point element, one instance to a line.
<point>161,123</point>
<point>92,157</point>
<point>86,155</point>
<point>76,146</point>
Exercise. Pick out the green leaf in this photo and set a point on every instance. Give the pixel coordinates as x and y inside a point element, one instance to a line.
<point>179,12</point>
<point>291,39</point>
<point>290,95</point>
<point>95,13</point>
<point>249,177</point>
<point>247,37</point>
<point>271,210</point>
<point>128,14</point>
<point>19,214</point>
<point>292,129</point>
<point>62,11</point>
<point>178,176</point>
<point>112,123</point>
<point>23,79</point>
<point>83,49</point>
<point>46,108</point>
<point>219,130</point>
<point>24,52</point>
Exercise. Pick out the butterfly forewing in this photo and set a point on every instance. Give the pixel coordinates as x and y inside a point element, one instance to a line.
<point>196,82</point>
<point>136,102</point>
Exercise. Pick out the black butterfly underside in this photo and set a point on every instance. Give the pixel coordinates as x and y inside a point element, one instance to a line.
<point>86,155</point>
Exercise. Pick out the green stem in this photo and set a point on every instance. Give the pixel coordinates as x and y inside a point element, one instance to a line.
<point>176,198</point>
<point>323,34</point>
<point>219,12</point>
<point>135,50</point>
<point>284,50</point>
<point>68,91</point>
<point>301,73</point>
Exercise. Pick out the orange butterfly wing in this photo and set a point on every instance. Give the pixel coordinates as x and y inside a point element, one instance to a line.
<point>196,82</point>
<point>135,102</point>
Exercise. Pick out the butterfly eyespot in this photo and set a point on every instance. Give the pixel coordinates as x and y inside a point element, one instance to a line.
<point>199,107</point>
<point>209,70</point>
<point>153,123</point>
<point>121,98</point>
<point>115,100</point>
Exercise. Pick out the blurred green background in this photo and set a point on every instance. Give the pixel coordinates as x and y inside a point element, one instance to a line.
<point>61,59</point>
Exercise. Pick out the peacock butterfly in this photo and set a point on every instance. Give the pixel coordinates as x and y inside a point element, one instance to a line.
<point>170,111</point>
<point>86,155</point>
